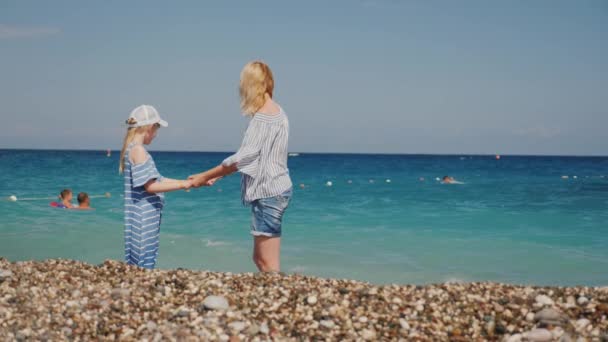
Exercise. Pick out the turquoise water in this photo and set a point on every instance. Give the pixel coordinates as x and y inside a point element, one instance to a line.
<point>514,220</point>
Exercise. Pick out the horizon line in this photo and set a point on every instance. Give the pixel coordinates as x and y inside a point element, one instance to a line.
<point>343,153</point>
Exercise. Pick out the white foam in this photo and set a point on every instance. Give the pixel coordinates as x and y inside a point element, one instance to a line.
<point>298,269</point>
<point>211,243</point>
<point>454,280</point>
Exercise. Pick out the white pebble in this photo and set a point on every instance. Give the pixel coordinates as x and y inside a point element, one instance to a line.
<point>5,274</point>
<point>363,319</point>
<point>12,198</point>
<point>368,334</point>
<point>327,324</point>
<point>582,300</point>
<point>404,324</point>
<point>215,303</point>
<point>544,300</point>
<point>264,328</point>
<point>236,326</point>
<point>582,323</point>
<point>311,300</point>
<point>329,183</point>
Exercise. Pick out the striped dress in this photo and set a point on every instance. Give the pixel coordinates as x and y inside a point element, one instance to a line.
<point>143,212</point>
<point>262,157</point>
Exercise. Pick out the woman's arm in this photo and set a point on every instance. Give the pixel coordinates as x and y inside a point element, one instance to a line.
<point>204,178</point>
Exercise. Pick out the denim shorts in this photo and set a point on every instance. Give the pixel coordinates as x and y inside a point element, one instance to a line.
<point>267,214</point>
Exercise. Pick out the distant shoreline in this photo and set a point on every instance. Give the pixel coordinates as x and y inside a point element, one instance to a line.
<point>328,153</point>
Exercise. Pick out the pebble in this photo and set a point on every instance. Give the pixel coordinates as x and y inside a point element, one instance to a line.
<point>215,303</point>
<point>264,328</point>
<point>539,335</point>
<point>5,274</point>
<point>312,300</point>
<point>363,319</point>
<point>581,324</point>
<point>544,300</point>
<point>120,293</point>
<point>327,324</point>
<point>530,317</point>
<point>404,324</point>
<point>253,329</point>
<point>550,316</point>
<point>151,326</point>
<point>582,300</point>
<point>513,338</point>
<point>237,326</point>
<point>490,326</point>
<point>368,334</point>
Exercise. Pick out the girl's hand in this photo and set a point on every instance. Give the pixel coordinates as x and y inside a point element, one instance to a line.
<point>186,184</point>
<point>212,181</point>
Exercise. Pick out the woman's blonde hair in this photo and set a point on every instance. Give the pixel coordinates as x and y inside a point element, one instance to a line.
<point>256,81</point>
<point>131,133</point>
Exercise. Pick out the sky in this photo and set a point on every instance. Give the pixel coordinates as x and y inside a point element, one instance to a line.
<point>358,76</point>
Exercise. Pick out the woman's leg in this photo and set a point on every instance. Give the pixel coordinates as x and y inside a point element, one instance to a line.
<point>267,253</point>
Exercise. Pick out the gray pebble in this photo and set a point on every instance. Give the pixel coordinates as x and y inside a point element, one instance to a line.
<point>120,293</point>
<point>550,317</point>
<point>539,335</point>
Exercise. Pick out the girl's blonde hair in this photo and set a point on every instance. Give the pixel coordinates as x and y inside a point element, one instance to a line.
<point>256,81</point>
<point>131,133</point>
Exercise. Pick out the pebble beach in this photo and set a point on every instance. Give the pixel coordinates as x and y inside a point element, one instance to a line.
<point>72,300</point>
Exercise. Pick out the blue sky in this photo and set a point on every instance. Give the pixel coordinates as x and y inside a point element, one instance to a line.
<point>380,76</point>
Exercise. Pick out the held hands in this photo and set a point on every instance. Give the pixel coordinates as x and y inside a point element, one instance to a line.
<point>186,184</point>
<point>201,179</point>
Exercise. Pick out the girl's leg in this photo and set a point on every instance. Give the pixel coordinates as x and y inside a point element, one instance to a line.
<point>267,253</point>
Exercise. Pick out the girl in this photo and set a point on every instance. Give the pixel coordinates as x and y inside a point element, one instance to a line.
<point>262,160</point>
<point>144,188</point>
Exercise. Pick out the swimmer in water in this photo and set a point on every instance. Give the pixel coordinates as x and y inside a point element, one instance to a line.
<point>66,198</point>
<point>84,202</point>
<point>448,180</point>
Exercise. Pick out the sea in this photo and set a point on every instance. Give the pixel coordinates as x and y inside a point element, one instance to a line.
<point>384,219</point>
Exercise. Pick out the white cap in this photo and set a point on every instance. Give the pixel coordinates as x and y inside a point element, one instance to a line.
<point>145,115</point>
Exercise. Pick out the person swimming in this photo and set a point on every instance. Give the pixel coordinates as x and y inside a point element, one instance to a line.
<point>65,197</point>
<point>84,202</point>
<point>449,180</point>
